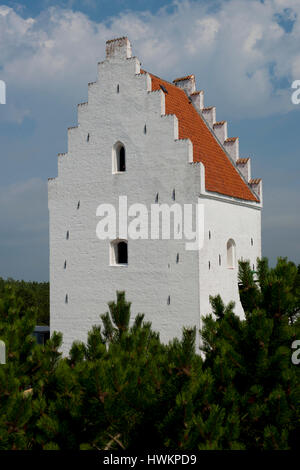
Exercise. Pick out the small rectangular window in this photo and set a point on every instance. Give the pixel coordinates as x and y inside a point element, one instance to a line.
<point>119,252</point>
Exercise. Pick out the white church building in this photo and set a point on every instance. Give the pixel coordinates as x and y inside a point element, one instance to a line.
<point>157,144</point>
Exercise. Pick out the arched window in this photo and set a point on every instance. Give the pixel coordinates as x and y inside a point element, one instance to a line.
<point>119,252</point>
<point>231,255</point>
<point>119,158</point>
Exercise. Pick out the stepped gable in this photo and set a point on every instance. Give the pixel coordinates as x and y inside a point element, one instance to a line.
<point>221,175</point>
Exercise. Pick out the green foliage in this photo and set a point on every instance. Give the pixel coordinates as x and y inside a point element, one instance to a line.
<point>124,389</point>
<point>250,359</point>
<point>32,294</point>
<point>28,368</point>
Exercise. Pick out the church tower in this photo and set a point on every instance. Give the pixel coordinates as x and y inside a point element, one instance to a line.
<point>147,142</point>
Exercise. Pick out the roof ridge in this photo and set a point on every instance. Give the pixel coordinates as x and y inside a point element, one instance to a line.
<point>161,79</point>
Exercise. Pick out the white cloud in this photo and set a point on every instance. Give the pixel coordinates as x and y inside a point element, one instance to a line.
<point>4,10</point>
<point>230,51</point>
<point>237,53</point>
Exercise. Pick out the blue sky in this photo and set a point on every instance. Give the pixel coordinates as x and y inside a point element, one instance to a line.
<point>245,55</point>
<point>95,10</point>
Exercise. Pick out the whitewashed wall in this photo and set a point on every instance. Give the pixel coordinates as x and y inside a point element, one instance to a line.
<point>156,162</point>
<point>225,220</point>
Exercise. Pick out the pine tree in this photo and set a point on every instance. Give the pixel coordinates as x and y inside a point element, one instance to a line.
<point>27,368</point>
<point>250,359</point>
<point>105,388</point>
<point>124,389</point>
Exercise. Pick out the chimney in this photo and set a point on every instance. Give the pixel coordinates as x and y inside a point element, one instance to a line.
<point>119,48</point>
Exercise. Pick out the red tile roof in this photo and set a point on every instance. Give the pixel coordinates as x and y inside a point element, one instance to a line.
<point>221,176</point>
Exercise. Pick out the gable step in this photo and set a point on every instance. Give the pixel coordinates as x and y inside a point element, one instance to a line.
<point>256,185</point>
<point>220,130</point>
<point>187,83</point>
<point>244,165</point>
<point>197,98</point>
<point>231,145</point>
<point>209,113</point>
